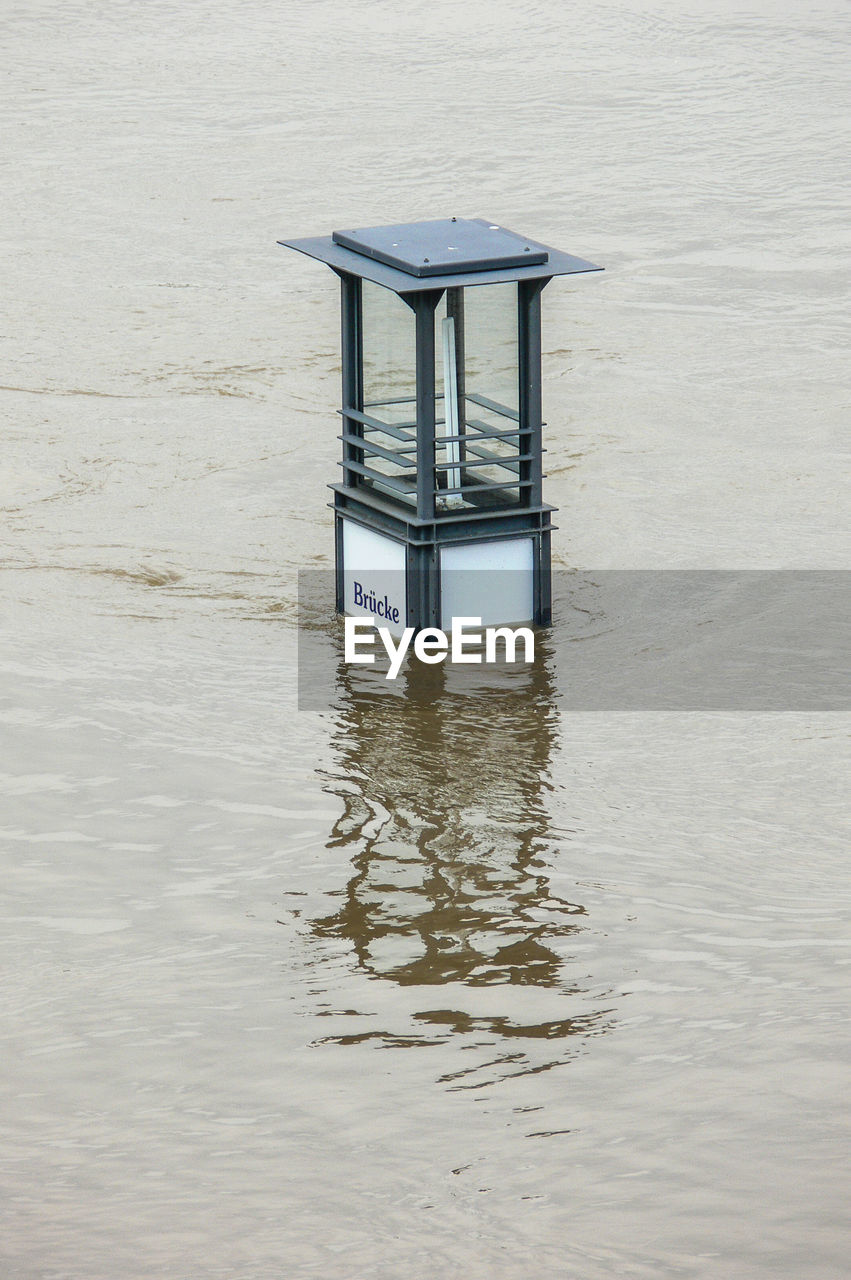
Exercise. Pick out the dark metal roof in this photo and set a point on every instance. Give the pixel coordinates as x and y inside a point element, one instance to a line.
<point>443,247</point>
<point>485,261</point>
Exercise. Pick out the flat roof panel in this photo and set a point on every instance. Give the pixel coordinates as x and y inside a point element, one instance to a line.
<point>343,260</point>
<point>444,246</point>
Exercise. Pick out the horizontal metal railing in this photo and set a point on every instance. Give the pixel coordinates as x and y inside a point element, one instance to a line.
<point>399,447</point>
<point>379,477</point>
<point>401,430</point>
<point>401,456</point>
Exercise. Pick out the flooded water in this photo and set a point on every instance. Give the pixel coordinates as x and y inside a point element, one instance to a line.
<point>416,985</point>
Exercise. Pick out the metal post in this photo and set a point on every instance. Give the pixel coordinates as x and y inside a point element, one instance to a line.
<point>423,585</point>
<point>351,347</point>
<point>339,567</point>
<point>529,344</point>
<point>424,305</point>
<point>544,587</point>
<point>455,309</point>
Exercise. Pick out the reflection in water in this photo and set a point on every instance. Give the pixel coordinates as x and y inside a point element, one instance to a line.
<point>442,776</point>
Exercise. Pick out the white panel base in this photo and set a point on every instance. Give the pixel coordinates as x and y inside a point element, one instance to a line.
<point>488,580</point>
<point>374,577</point>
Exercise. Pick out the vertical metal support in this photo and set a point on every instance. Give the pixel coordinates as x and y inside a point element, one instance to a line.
<point>351,347</point>
<point>544,586</point>
<point>529,354</point>
<point>423,585</point>
<point>424,305</point>
<point>455,309</point>
<point>339,566</point>
<point>450,412</point>
<point>531,414</point>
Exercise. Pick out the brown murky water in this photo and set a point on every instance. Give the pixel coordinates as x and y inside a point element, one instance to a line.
<point>419,985</point>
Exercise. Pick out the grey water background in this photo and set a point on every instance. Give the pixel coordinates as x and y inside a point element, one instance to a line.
<point>416,985</point>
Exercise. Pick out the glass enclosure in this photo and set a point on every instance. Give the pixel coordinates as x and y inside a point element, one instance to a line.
<point>389,417</point>
<point>477,393</point>
<point>479,445</point>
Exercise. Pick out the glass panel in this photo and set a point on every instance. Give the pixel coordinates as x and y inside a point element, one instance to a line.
<point>389,394</point>
<point>477,387</point>
<point>389,349</point>
<point>478,446</point>
<point>490,314</point>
